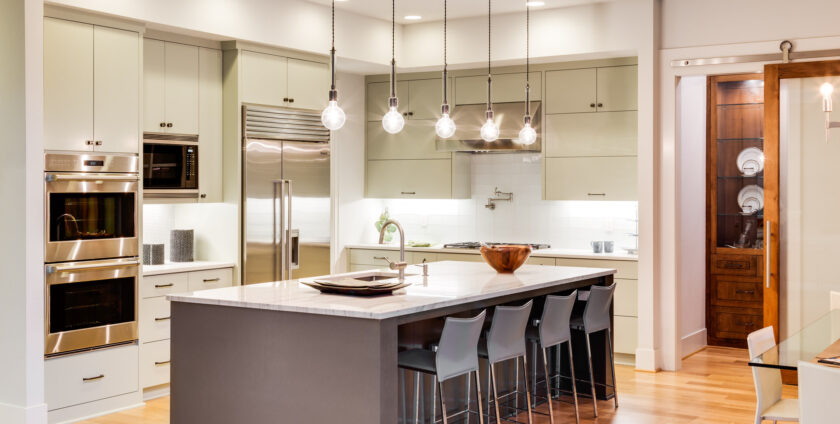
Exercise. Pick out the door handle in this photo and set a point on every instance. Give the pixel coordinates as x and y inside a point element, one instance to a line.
<point>160,363</point>
<point>767,250</point>
<point>288,230</point>
<point>51,269</point>
<point>210,280</point>
<point>163,319</point>
<point>91,177</point>
<point>98,377</point>
<point>161,286</point>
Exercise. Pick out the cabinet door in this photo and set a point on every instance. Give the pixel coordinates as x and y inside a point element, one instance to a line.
<point>68,85</point>
<point>570,91</point>
<point>377,96</point>
<point>264,78</point>
<point>591,178</point>
<point>505,88</point>
<point>210,125</point>
<point>413,179</point>
<point>309,84</point>
<point>181,89</point>
<point>116,89</point>
<point>424,99</point>
<point>617,88</point>
<point>415,141</point>
<point>154,86</point>
<point>626,334</point>
<point>591,134</point>
<point>461,257</point>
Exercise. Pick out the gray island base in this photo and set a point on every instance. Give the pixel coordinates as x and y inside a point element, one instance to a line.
<point>285,353</point>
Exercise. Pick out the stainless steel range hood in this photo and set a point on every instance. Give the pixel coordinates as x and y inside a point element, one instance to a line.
<point>509,117</point>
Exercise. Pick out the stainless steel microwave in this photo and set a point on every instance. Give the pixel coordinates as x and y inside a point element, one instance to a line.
<point>170,166</point>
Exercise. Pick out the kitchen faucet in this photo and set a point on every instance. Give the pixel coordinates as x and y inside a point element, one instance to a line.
<point>395,265</point>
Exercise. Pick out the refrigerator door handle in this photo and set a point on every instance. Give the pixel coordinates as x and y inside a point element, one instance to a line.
<point>278,229</point>
<point>288,231</point>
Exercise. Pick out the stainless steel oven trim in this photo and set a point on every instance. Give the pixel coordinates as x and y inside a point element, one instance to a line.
<point>89,338</point>
<point>166,193</point>
<point>61,251</point>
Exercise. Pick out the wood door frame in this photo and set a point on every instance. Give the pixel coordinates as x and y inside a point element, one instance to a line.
<point>773,74</point>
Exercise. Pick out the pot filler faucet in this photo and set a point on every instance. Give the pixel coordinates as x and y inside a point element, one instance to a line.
<point>395,265</point>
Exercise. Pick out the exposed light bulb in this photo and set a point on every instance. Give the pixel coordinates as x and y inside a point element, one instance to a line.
<point>445,126</point>
<point>333,117</point>
<point>393,121</point>
<point>826,89</point>
<point>527,135</point>
<point>489,131</point>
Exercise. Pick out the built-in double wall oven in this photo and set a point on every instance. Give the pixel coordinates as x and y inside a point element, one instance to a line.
<point>91,246</point>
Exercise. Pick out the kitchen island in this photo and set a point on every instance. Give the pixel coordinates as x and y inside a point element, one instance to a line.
<point>284,353</point>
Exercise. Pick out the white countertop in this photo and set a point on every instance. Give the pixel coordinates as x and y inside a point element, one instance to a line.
<point>173,267</point>
<point>449,283</point>
<point>617,255</point>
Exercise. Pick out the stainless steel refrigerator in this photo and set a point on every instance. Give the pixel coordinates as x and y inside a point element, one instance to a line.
<point>285,190</point>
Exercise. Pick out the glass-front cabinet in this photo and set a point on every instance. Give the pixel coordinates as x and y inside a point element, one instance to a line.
<point>735,206</point>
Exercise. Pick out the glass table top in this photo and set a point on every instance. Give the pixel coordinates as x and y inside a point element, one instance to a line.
<point>806,345</point>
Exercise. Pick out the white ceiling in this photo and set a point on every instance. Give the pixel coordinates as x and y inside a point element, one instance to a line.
<point>433,10</point>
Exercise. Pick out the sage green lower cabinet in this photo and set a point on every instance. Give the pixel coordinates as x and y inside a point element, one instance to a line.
<point>591,178</point>
<point>591,134</point>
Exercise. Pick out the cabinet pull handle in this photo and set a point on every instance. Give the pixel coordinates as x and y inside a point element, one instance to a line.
<point>160,286</point>
<point>600,105</point>
<point>163,318</point>
<point>592,105</point>
<point>745,291</point>
<point>408,192</point>
<point>203,195</point>
<point>285,99</point>
<point>163,124</point>
<point>89,142</point>
<point>291,99</point>
<point>210,280</point>
<point>767,229</point>
<point>168,125</point>
<point>98,377</point>
<point>410,113</point>
<point>596,194</point>
<point>159,363</point>
<point>746,324</point>
<point>97,142</point>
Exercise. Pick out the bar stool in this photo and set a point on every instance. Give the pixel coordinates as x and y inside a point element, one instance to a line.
<point>596,317</point>
<point>457,355</point>
<point>554,330</point>
<point>506,341</point>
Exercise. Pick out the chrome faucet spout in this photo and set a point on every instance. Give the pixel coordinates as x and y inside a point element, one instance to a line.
<point>401,264</point>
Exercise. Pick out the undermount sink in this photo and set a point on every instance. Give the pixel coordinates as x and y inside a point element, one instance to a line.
<point>366,276</point>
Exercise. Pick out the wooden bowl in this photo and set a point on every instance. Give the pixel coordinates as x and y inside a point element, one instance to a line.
<point>505,258</point>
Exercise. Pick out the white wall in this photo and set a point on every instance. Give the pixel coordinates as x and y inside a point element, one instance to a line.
<point>21,248</point>
<point>691,122</point>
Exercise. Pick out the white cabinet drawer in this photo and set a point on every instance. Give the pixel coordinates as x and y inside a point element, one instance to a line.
<point>536,260</point>
<point>463,257</point>
<point>86,377</point>
<point>418,257</point>
<point>210,279</point>
<point>626,298</point>
<point>161,285</point>
<point>154,363</point>
<point>155,315</point>
<point>625,334</point>
<point>624,269</point>
<point>369,257</point>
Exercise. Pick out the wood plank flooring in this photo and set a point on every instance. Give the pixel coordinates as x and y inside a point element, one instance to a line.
<point>714,386</point>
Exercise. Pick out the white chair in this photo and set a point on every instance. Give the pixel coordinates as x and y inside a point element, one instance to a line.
<point>835,300</point>
<point>819,398</point>
<point>768,382</point>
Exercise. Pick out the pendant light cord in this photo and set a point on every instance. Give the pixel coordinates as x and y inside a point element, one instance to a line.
<point>332,49</point>
<point>393,54</point>
<point>489,77</point>
<point>527,62</point>
<point>445,103</point>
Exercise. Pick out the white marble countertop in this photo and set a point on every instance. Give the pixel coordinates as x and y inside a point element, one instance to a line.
<point>173,267</point>
<point>449,283</point>
<point>617,255</point>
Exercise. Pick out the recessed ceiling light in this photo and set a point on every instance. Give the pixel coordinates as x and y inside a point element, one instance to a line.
<point>413,17</point>
<point>534,3</point>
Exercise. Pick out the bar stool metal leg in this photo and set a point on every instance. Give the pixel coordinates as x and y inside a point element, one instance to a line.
<point>527,392</point>
<point>612,367</point>
<point>442,403</point>
<point>477,399</point>
<point>516,384</point>
<point>591,376</point>
<point>547,387</point>
<point>469,377</point>
<point>495,394</point>
<point>417,378</point>
<point>434,399</point>
<point>574,381</point>
<point>534,374</point>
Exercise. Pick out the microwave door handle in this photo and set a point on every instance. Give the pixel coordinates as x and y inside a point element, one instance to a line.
<point>51,269</point>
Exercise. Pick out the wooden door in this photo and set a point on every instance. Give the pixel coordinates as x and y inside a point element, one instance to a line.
<point>116,90</point>
<point>309,84</point>
<point>154,86</point>
<point>181,89</point>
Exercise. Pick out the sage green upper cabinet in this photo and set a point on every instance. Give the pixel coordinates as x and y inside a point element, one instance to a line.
<point>421,179</point>
<point>170,87</point>
<point>570,91</point>
<point>591,178</point>
<point>309,84</point>
<point>591,134</point>
<point>91,87</point>
<point>415,141</point>
<point>210,125</point>
<point>264,79</point>
<point>424,99</point>
<point>617,88</point>
<point>505,88</point>
<point>378,94</point>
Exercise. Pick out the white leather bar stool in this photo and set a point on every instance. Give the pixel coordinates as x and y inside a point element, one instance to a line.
<point>596,317</point>
<point>506,341</point>
<point>554,330</point>
<point>457,355</point>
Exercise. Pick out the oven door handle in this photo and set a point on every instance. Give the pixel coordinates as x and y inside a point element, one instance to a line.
<point>92,177</point>
<point>51,269</point>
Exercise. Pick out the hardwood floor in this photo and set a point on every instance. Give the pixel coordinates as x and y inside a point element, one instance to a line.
<point>714,386</point>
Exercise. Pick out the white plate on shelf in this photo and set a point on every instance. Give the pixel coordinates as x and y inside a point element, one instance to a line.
<point>750,161</point>
<point>751,199</point>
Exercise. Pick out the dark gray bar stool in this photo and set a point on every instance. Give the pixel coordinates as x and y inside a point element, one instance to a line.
<point>456,355</point>
<point>554,330</point>
<point>596,317</point>
<point>506,341</point>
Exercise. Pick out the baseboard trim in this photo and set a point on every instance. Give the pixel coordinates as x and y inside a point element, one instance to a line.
<point>13,414</point>
<point>647,359</point>
<point>155,392</point>
<point>693,342</point>
<point>85,411</point>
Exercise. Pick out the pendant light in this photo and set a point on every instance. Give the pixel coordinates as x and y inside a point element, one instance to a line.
<point>333,117</point>
<point>489,131</point>
<point>393,121</point>
<point>527,135</point>
<point>445,126</point>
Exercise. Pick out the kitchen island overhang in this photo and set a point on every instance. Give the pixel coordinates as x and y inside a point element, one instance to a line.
<point>283,352</point>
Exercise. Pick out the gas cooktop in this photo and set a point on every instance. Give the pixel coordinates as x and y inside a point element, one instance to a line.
<point>477,245</point>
